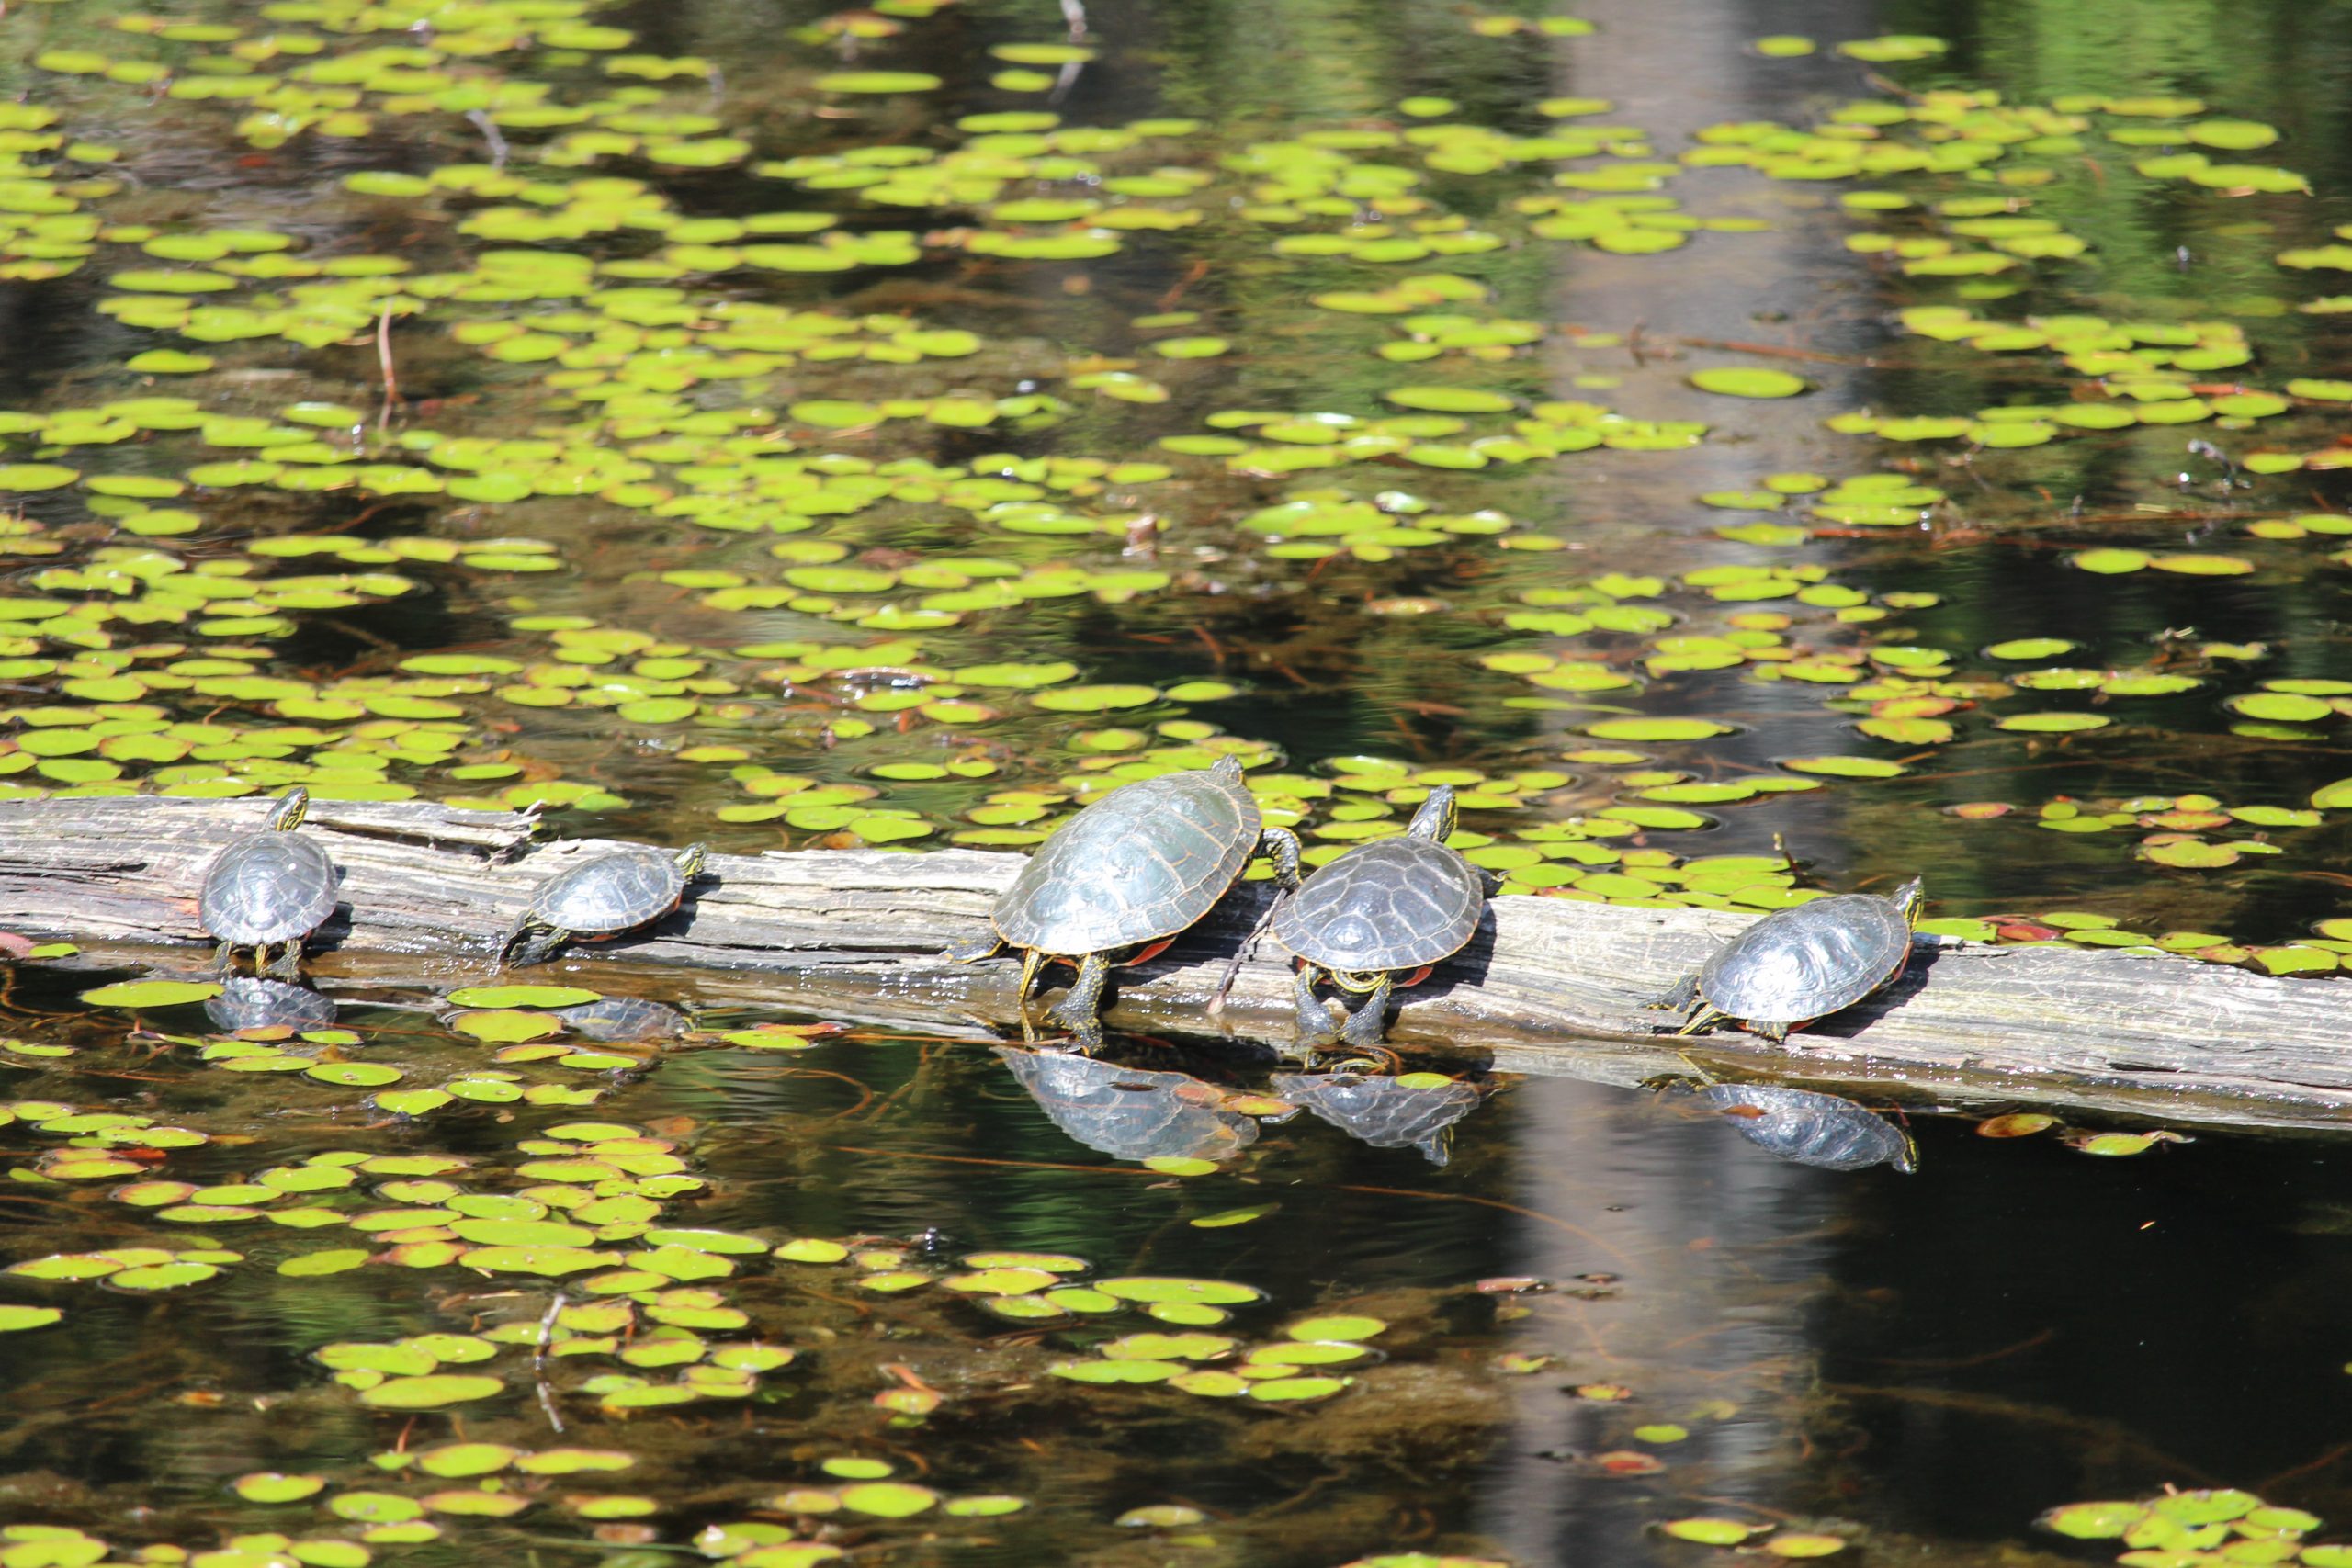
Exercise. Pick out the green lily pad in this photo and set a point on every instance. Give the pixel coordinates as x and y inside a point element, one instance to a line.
<point>151,993</point>
<point>1744,381</point>
<point>434,1391</point>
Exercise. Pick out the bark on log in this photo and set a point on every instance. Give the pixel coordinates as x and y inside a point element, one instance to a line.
<point>1547,985</point>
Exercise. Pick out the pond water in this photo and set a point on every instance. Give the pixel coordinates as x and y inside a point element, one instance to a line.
<point>1744,450</point>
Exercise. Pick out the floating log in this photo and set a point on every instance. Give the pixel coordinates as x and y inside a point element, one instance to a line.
<point>1548,986</point>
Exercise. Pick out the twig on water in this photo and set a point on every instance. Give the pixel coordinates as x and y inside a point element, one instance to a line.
<point>384,362</point>
<point>539,1363</point>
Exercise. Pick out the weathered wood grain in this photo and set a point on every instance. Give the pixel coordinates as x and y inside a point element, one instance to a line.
<point>1547,985</point>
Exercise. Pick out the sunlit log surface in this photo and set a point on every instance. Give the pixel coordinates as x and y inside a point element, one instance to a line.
<point>1548,986</point>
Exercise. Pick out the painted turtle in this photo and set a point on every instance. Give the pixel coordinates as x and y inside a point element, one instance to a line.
<point>1380,917</point>
<point>1129,1113</point>
<point>602,897</point>
<point>1124,876</point>
<point>268,887</point>
<point>1802,963</point>
<point>1387,1113</point>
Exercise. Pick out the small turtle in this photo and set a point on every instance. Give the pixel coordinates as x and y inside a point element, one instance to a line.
<point>1801,963</point>
<point>268,887</point>
<point>1119,880</point>
<point>602,898</point>
<point>1378,918</point>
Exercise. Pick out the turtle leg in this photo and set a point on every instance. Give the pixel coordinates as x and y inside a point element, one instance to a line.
<point>1778,1033</point>
<point>532,943</point>
<point>1081,1010</point>
<point>290,963</point>
<point>974,950</point>
<point>224,957</point>
<point>1281,846</point>
<point>1369,1020</point>
<point>1702,1018</point>
<point>1678,996</point>
<point>1314,1025</point>
<point>1032,960</point>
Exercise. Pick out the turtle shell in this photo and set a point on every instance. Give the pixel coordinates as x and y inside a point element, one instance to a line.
<point>611,893</point>
<point>268,888</point>
<point>1392,903</point>
<point>1809,961</point>
<point>1142,863</point>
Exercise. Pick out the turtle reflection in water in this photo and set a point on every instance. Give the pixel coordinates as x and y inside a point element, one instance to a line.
<point>1378,918</point>
<point>623,1019</point>
<point>1801,963</point>
<point>269,887</point>
<point>1129,1113</point>
<point>1805,1128</point>
<point>1417,1110</point>
<point>250,1002</point>
<point>1119,880</point>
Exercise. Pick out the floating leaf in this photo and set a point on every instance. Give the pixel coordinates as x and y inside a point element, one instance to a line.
<point>1743,381</point>
<point>431,1391</point>
<point>500,997</point>
<point>151,993</point>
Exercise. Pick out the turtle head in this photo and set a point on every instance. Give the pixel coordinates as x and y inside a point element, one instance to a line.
<point>1227,768</point>
<point>1434,820</point>
<point>1910,899</point>
<point>287,815</point>
<point>690,860</point>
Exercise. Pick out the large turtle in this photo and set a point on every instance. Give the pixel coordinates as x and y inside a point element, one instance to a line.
<point>601,898</point>
<point>1380,917</point>
<point>1120,880</point>
<point>269,887</point>
<point>1802,963</point>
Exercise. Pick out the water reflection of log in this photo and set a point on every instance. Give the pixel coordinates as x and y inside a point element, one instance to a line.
<point>1547,985</point>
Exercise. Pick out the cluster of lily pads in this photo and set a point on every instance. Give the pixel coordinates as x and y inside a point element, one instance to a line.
<point>655,394</point>
<point>624,1308</point>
